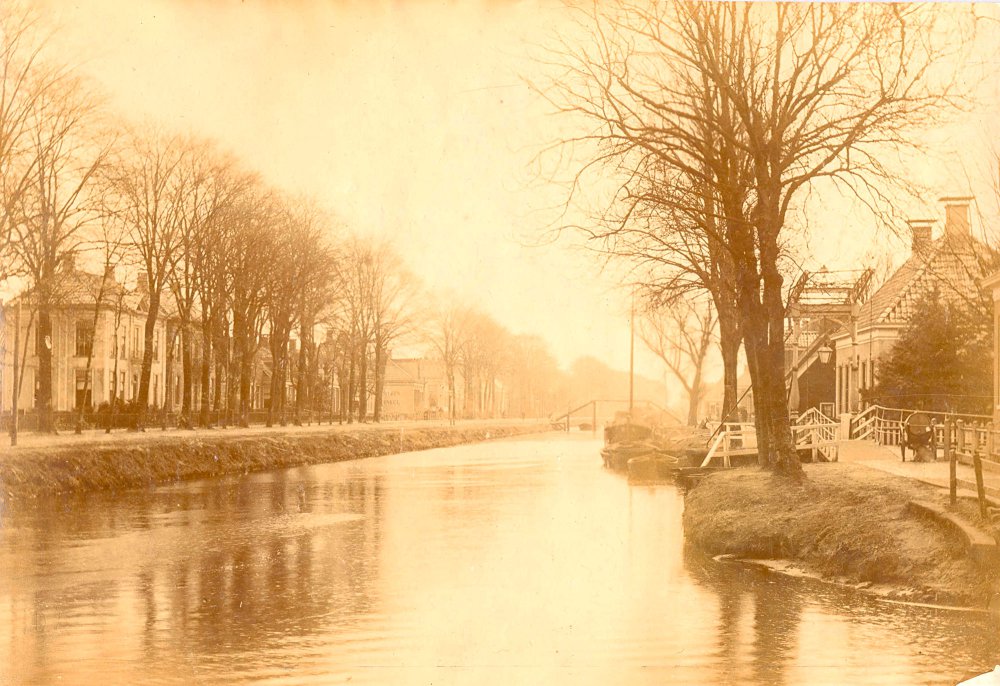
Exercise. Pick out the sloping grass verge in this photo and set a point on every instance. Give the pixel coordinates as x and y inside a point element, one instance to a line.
<point>844,522</point>
<point>30,473</point>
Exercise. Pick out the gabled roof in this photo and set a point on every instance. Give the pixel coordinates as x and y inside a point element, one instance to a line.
<point>951,265</point>
<point>415,370</point>
<point>398,373</point>
<point>74,287</point>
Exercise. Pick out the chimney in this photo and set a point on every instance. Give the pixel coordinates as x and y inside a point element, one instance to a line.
<point>956,215</point>
<point>921,233</point>
<point>140,283</point>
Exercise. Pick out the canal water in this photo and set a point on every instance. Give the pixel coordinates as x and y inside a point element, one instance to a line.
<point>510,562</point>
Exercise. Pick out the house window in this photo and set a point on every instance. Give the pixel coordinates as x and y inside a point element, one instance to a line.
<point>156,345</point>
<point>135,341</point>
<point>121,386</point>
<point>84,339</point>
<point>122,347</point>
<point>84,390</point>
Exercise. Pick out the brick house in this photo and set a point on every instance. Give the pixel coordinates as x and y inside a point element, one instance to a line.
<point>951,264</point>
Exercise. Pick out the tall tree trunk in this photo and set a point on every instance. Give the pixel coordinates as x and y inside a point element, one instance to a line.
<point>784,458</point>
<point>90,352</point>
<point>342,375</point>
<point>114,372</point>
<point>43,401</point>
<point>381,361</point>
<point>363,383</point>
<point>206,372</point>
<point>147,359</point>
<point>451,396</point>
<point>232,383</point>
<point>187,369</point>
<point>729,345</point>
<point>351,382</point>
<point>168,373</point>
<point>303,386</point>
<point>277,365</point>
<point>694,398</point>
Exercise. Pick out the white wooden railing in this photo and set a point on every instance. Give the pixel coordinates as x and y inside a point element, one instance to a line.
<point>815,432</point>
<point>884,425</point>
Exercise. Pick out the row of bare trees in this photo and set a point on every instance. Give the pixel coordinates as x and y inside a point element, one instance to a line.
<point>223,263</point>
<point>718,120</point>
<point>497,372</point>
<point>235,274</point>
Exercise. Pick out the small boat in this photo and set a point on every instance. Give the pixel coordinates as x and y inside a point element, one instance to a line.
<point>663,464</point>
<point>616,456</point>
<point>624,439</point>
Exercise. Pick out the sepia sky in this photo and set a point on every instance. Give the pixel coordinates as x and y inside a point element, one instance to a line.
<point>413,121</point>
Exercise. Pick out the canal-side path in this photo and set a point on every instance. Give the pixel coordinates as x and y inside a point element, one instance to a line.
<point>887,459</point>
<point>68,463</point>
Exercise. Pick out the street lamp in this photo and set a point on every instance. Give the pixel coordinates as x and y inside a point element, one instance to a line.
<point>825,354</point>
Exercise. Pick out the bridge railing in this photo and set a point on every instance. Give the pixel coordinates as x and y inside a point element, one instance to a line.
<point>884,425</point>
<point>820,437</point>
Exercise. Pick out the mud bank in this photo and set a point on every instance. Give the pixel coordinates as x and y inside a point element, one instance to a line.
<point>33,472</point>
<point>844,523</point>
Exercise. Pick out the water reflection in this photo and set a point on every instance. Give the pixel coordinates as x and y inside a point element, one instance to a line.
<point>508,562</point>
<point>185,576</point>
<point>792,631</point>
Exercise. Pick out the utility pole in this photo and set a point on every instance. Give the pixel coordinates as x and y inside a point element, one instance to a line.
<point>631,358</point>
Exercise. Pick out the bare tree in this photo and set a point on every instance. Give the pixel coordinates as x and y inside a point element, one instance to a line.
<point>54,208</point>
<point>108,293</point>
<point>394,303</point>
<point>249,264</point>
<point>26,79</point>
<point>212,277</point>
<point>681,334</point>
<point>316,282</point>
<point>208,184</point>
<point>746,107</point>
<point>150,197</point>
<point>448,337</point>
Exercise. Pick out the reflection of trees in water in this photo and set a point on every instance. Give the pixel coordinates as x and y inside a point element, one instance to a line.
<point>288,577</point>
<point>939,640</point>
<point>213,567</point>
<point>776,616</point>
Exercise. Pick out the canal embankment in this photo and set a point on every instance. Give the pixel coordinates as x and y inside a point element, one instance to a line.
<point>845,523</point>
<point>142,460</point>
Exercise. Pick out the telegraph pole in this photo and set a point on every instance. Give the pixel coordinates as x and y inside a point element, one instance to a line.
<point>631,358</point>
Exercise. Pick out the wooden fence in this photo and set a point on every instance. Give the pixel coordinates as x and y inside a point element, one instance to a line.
<point>812,432</point>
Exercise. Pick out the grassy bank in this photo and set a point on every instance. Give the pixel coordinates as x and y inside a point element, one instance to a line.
<point>845,523</point>
<point>148,460</point>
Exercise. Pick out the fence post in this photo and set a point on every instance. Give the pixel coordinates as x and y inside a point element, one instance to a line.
<point>949,453</point>
<point>974,444</point>
<point>977,464</point>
